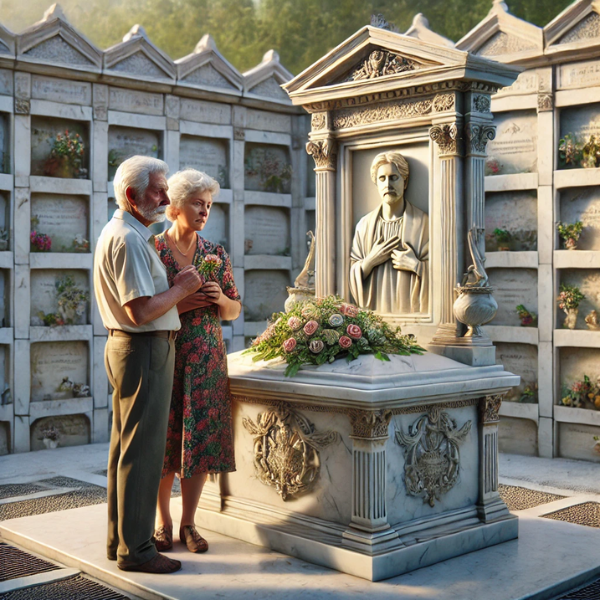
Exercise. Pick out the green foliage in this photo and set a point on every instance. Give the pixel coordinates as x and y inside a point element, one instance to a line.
<point>570,297</point>
<point>301,31</point>
<point>502,235</point>
<point>318,331</point>
<point>569,230</point>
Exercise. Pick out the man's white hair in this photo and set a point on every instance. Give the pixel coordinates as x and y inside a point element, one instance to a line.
<point>187,184</point>
<point>135,173</point>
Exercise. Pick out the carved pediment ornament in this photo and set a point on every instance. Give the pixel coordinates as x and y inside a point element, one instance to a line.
<point>481,103</point>
<point>443,102</point>
<point>432,458</point>
<point>446,137</point>
<point>545,102</point>
<point>324,153</point>
<point>22,106</point>
<point>318,121</point>
<point>479,135</point>
<point>286,448</point>
<point>380,63</point>
<point>490,408</point>
<point>370,424</point>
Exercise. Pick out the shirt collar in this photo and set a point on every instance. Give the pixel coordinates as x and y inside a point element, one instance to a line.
<point>131,220</point>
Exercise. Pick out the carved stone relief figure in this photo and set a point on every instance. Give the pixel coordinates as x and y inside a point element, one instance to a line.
<point>389,270</point>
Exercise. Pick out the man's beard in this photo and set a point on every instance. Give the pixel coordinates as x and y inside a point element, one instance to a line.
<point>156,215</point>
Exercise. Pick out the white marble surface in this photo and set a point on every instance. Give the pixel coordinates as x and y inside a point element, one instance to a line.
<point>540,559</point>
<point>369,379</point>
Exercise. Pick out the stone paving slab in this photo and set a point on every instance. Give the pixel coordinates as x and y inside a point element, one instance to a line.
<point>538,566</point>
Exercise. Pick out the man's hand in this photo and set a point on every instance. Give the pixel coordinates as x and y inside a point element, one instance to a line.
<point>380,252</point>
<point>405,260</point>
<point>188,279</point>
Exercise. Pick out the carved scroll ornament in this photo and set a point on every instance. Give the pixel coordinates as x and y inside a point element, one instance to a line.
<point>490,409</point>
<point>479,135</point>
<point>370,424</point>
<point>324,153</point>
<point>286,450</point>
<point>318,121</point>
<point>446,137</point>
<point>380,63</point>
<point>432,460</point>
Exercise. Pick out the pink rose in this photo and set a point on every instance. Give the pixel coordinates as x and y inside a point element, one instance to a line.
<point>289,344</point>
<point>345,342</point>
<point>354,331</point>
<point>316,346</point>
<point>311,327</point>
<point>349,310</point>
<point>294,323</point>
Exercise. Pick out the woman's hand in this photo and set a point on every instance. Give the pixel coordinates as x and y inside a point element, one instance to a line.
<point>193,301</point>
<point>213,293</point>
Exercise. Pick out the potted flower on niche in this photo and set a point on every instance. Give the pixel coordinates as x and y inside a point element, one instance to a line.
<point>569,299</point>
<point>529,394</point>
<point>570,233</point>
<point>502,239</point>
<point>66,156</point>
<point>50,436</point>
<point>528,319</point>
<point>72,301</point>
<point>570,152</point>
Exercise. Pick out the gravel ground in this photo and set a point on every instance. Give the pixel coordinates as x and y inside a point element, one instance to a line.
<point>518,498</point>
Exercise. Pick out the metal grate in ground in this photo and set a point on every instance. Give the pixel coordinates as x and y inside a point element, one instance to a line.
<point>86,495</point>
<point>15,563</point>
<point>586,513</point>
<point>588,592</point>
<point>20,489</point>
<point>519,498</point>
<point>75,588</point>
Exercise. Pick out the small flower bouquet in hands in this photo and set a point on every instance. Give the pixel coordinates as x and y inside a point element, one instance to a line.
<point>209,267</point>
<point>318,331</point>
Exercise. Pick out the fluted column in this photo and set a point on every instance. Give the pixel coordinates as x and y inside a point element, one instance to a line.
<point>447,137</point>
<point>369,529</point>
<point>324,153</point>
<point>490,505</point>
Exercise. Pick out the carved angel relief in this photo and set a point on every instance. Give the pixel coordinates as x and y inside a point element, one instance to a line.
<point>286,450</point>
<point>380,63</point>
<point>432,457</point>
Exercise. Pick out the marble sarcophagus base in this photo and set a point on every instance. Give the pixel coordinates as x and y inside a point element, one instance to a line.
<point>374,469</point>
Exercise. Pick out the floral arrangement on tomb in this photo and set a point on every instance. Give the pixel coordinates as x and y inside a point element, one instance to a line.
<point>492,167</point>
<point>502,239</point>
<point>592,320</point>
<point>573,153</point>
<point>39,242</point>
<point>79,390</point>
<point>315,332</point>
<point>50,433</point>
<point>529,394</point>
<point>66,156</point>
<point>273,174</point>
<point>528,319</point>
<point>72,300</point>
<point>582,394</point>
<point>569,299</point>
<point>209,267</point>
<point>79,244</point>
<point>570,233</point>
<point>51,319</point>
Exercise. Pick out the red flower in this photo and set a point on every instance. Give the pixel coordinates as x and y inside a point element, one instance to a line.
<point>345,342</point>
<point>354,331</point>
<point>349,310</point>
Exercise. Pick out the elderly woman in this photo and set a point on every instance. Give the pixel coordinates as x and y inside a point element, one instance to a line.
<point>199,439</point>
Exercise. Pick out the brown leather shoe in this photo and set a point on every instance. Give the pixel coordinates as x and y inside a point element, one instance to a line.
<point>159,564</point>
<point>189,535</point>
<point>163,538</point>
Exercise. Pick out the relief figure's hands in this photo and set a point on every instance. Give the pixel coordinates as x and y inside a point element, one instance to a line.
<point>380,253</point>
<point>406,259</point>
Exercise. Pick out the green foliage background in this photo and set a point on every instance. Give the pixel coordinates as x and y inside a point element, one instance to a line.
<point>300,30</point>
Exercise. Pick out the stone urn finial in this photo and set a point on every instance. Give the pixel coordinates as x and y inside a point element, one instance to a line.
<point>475,305</point>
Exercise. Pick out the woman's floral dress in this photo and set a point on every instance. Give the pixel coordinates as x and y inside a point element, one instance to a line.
<point>200,437</point>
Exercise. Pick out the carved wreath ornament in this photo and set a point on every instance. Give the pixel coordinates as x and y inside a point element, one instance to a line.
<point>286,450</point>
<point>431,454</point>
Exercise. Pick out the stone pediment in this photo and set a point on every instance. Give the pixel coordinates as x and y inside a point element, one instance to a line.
<point>503,37</point>
<point>53,41</point>
<point>374,55</point>
<point>7,42</point>
<point>265,80</point>
<point>577,27</point>
<point>136,57</point>
<point>207,67</point>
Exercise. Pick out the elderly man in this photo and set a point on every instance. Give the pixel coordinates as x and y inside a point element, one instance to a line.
<point>390,252</point>
<point>139,310</point>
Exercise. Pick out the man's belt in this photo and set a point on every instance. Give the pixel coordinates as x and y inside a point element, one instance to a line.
<point>163,333</point>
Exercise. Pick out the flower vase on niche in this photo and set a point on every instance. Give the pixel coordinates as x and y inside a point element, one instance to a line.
<point>568,301</point>
<point>66,157</point>
<point>570,233</point>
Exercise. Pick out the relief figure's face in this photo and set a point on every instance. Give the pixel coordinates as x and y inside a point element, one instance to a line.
<point>390,183</point>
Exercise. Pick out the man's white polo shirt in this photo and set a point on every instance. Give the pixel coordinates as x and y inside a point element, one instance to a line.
<point>127,266</point>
